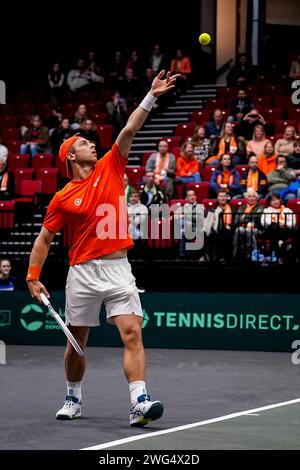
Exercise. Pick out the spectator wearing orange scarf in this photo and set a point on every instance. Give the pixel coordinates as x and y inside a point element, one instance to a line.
<point>231,145</point>
<point>220,239</point>
<point>187,167</point>
<point>254,179</point>
<point>267,161</point>
<point>225,177</point>
<point>6,180</point>
<point>163,165</point>
<point>247,226</point>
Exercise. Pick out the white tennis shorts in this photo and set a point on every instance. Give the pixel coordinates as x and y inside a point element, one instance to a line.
<point>96,281</point>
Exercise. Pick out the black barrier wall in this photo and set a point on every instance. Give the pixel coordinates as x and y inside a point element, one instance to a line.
<point>264,322</point>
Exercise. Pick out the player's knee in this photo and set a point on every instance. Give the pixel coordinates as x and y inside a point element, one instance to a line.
<point>132,335</point>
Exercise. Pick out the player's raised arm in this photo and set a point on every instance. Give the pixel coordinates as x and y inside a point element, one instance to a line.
<point>38,256</point>
<point>139,116</point>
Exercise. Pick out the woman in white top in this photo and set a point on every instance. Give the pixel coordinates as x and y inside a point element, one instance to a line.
<point>258,142</point>
<point>277,215</point>
<point>285,146</point>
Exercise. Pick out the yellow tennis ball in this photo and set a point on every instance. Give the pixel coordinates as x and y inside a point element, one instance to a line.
<point>204,39</point>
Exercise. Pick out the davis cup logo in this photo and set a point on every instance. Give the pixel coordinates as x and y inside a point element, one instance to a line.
<point>77,202</point>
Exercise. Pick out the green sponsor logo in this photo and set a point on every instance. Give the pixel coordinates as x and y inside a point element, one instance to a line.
<point>230,321</point>
<point>5,317</point>
<point>31,325</point>
<point>145,318</point>
<point>33,320</point>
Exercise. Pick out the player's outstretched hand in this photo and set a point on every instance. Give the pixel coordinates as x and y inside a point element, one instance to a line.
<point>35,288</point>
<point>160,86</point>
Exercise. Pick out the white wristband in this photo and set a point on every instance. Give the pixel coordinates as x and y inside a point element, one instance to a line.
<point>148,102</point>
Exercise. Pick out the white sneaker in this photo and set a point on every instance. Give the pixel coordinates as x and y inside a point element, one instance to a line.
<point>143,411</point>
<point>70,410</point>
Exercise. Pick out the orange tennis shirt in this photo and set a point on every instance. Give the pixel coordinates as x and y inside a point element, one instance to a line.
<point>96,209</point>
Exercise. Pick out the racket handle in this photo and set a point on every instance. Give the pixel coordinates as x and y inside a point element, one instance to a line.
<point>44,299</point>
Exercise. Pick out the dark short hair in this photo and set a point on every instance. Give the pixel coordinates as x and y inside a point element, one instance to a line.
<point>134,191</point>
<point>280,156</point>
<point>270,196</point>
<point>191,189</point>
<point>4,259</point>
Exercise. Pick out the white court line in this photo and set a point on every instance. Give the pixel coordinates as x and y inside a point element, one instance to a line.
<point>189,426</point>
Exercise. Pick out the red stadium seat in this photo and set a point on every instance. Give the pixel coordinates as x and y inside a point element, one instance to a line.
<point>262,101</point>
<point>294,205</point>
<point>281,125</point>
<point>145,157</point>
<point>21,174</point>
<point>105,135</point>
<point>8,121</point>
<point>253,91</point>
<point>87,96</point>
<point>68,109</point>
<point>201,190</point>
<point>273,90</point>
<point>209,203</point>
<point>226,113</point>
<point>176,151</point>
<point>48,178</point>
<point>277,137</point>
<point>42,160</point>
<point>238,202</point>
<point>284,102</point>
<point>241,169</point>
<point>173,142</point>
<point>294,113</point>
<point>185,130</point>
<point>28,190</point>
<point>177,202</point>
<point>215,103</point>
<point>94,107</point>
<point>272,114</point>
<point>24,97</point>
<point>7,209</point>
<point>201,117</point>
<point>99,118</point>
<point>229,93</point>
<point>9,133</point>
<point>7,109</point>
<point>159,235</point>
<point>13,145</point>
<point>45,109</point>
<point>18,161</point>
<point>26,108</point>
<point>62,167</point>
<point>135,175</point>
<point>25,119</point>
<point>207,172</point>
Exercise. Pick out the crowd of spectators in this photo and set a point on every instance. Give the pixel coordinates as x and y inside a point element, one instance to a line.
<point>242,136</point>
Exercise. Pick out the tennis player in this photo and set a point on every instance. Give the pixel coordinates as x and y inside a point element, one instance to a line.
<point>99,269</point>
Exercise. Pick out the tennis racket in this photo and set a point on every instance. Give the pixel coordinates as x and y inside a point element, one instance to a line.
<point>62,324</point>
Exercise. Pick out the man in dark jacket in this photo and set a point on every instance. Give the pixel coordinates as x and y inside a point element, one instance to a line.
<point>151,193</point>
<point>255,179</point>
<point>241,105</point>
<point>221,229</point>
<point>293,160</point>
